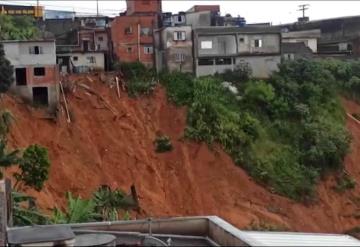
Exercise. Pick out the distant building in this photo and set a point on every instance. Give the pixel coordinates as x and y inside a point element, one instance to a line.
<point>87,35</point>
<point>200,8</point>
<point>58,14</point>
<point>308,37</point>
<point>132,32</point>
<point>175,52</point>
<point>35,71</point>
<point>217,49</point>
<point>293,51</point>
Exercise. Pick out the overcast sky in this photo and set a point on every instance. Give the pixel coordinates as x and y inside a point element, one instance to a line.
<point>253,11</point>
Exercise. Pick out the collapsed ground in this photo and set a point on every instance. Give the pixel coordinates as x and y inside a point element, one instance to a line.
<point>100,148</point>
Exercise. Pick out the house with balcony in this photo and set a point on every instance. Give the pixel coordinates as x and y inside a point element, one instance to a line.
<point>217,49</point>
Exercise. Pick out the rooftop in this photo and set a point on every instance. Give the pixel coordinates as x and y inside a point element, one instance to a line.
<point>246,29</point>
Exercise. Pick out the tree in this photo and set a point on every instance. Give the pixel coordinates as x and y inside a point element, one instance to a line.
<point>78,211</point>
<point>17,28</point>
<point>34,167</point>
<point>6,71</point>
<point>7,158</point>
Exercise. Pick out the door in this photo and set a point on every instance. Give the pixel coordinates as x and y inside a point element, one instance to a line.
<point>86,45</point>
<point>40,96</point>
<point>20,74</point>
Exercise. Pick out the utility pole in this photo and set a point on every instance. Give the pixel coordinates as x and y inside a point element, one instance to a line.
<point>302,8</point>
<point>97,7</point>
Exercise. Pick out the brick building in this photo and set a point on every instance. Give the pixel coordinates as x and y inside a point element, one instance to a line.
<point>132,32</point>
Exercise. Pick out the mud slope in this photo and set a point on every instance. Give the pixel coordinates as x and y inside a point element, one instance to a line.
<point>191,180</point>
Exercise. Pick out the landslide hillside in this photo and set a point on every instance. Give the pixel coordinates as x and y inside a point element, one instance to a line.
<point>98,148</point>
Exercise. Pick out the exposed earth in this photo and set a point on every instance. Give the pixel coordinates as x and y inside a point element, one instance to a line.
<point>98,147</point>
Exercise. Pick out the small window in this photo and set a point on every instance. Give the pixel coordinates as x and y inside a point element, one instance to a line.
<point>39,71</point>
<point>206,44</point>
<point>145,31</point>
<point>179,35</point>
<point>129,49</point>
<point>222,61</point>
<point>91,59</point>
<point>98,47</point>
<point>75,58</point>
<point>241,40</point>
<point>35,50</point>
<point>180,18</point>
<point>148,50</point>
<point>179,57</point>
<point>100,38</point>
<point>258,43</point>
<point>128,30</point>
<point>206,61</point>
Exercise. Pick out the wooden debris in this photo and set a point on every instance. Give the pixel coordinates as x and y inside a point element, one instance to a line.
<point>65,102</point>
<point>89,79</point>
<point>106,103</point>
<point>117,86</point>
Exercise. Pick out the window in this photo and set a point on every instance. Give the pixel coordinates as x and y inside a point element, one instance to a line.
<point>222,61</point>
<point>128,30</point>
<point>206,61</point>
<point>241,40</point>
<point>129,49</point>
<point>91,59</point>
<point>206,44</point>
<point>179,57</point>
<point>40,96</point>
<point>100,38</point>
<point>258,43</point>
<point>98,47</point>
<point>179,35</point>
<point>20,76</point>
<point>148,50</point>
<point>39,71</point>
<point>145,31</point>
<point>75,58</point>
<point>35,50</point>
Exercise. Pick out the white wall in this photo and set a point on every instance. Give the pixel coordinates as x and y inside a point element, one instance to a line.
<point>18,53</point>
<point>309,42</point>
<point>83,61</point>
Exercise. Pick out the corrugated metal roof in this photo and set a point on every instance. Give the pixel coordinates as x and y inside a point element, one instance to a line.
<point>299,239</point>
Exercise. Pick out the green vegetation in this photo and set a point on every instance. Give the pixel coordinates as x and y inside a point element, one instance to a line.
<point>356,116</point>
<point>108,202</point>
<point>25,211</point>
<point>345,182</point>
<point>78,211</point>
<point>286,131</point>
<point>163,144</point>
<point>139,79</point>
<point>34,167</point>
<point>18,28</point>
<point>104,205</point>
<point>6,71</point>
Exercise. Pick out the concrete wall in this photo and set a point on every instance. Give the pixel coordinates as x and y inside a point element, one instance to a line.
<point>261,66</point>
<point>221,45</point>
<point>83,60</point>
<point>198,19</point>
<point>18,53</point>
<point>270,43</point>
<point>309,42</point>
<point>173,47</point>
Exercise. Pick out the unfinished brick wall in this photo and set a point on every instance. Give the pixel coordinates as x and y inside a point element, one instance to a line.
<point>128,44</point>
<point>143,6</point>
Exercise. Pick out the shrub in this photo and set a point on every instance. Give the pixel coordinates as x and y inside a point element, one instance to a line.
<point>179,87</point>
<point>6,72</point>
<point>345,182</point>
<point>163,144</point>
<point>240,74</point>
<point>138,87</point>
<point>34,167</point>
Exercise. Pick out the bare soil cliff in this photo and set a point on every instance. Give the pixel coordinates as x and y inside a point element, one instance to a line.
<point>99,148</point>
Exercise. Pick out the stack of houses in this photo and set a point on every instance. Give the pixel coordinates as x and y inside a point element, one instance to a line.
<point>199,41</point>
